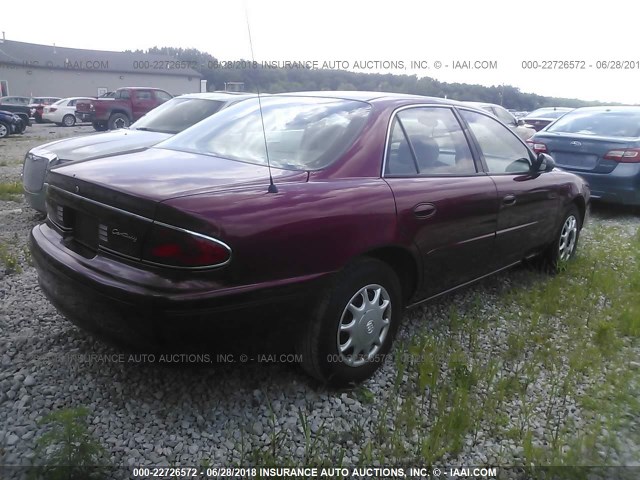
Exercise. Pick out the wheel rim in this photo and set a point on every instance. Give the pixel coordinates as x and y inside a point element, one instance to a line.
<point>568,237</point>
<point>119,123</point>
<point>69,121</point>
<point>364,325</point>
<point>3,131</point>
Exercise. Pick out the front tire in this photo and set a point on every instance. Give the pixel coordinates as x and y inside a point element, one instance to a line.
<point>353,325</point>
<point>556,257</point>
<point>99,127</point>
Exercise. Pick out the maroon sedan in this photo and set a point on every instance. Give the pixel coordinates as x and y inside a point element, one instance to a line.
<point>343,207</point>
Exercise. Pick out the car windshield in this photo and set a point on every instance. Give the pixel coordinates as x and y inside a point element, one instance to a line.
<point>606,123</point>
<point>60,101</point>
<point>300,133</point>
<point>177,115</point>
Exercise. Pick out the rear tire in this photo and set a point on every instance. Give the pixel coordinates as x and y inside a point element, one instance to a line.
<point>563,248</point>
<point>353,325</point>
<point>69,120</point>
<point>118,120</point>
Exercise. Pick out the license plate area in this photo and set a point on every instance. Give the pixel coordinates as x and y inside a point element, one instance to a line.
<point>85,230</point>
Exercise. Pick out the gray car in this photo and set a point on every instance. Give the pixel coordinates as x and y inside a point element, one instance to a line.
<point>159,124</point>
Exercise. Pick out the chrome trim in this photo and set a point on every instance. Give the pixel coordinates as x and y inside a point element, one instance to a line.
<point>196,234</point>
<point>517,227</point>
<point>109,207</point>
<point>63,229</point>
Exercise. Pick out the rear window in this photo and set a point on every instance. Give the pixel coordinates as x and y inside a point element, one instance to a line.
<point>544,113</point>
<point>177,114</point>
<point>301,133</point>
<point>600,123</point>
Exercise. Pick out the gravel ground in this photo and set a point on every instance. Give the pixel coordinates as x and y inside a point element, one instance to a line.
<point>153,413</point>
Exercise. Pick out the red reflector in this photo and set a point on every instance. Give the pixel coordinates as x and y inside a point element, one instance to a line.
<point>629,155</point>
<point>166,250</point>
<point>175,247</point>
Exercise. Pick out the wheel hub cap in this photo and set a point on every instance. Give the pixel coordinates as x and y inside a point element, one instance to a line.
<point>568,237</point>
<point>364,325</point>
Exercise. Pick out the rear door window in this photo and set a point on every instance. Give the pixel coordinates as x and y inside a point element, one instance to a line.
<point>428,141</point>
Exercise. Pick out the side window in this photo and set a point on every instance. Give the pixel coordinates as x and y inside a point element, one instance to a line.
<point>428,141</point>
<point>502,150</point>
<point>123,94</point>
<point>72,103</point>
<point>143,95</point>
<point>504,116</point>
<point>162,96</point>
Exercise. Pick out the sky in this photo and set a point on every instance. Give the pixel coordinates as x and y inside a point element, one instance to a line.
<point>523,44</point>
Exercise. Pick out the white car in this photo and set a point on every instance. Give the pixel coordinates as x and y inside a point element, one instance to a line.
<point>63,112</point>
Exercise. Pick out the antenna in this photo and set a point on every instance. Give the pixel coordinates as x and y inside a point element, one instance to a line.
<point>272,186</point>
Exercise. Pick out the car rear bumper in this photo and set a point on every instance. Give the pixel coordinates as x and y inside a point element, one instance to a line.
<point>622,185</point>
<point>129,312</point>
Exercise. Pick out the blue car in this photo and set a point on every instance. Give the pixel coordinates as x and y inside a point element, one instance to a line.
<point>601,144</point>
<point>10,123</point>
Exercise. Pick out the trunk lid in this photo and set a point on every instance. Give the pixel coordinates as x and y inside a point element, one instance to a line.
<point>89,147</point>
<point>582,153</point>
<point>110,203</point>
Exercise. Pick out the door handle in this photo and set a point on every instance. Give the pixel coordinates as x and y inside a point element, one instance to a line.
<point>424,210</point>
<point>509,200</point>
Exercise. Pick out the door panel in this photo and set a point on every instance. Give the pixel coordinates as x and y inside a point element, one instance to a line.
<point>444,205</point>
<point>527,200</point>
<point>454,233</point>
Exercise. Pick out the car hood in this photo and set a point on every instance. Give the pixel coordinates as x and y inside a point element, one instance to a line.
<point>159,174</point>
<point>97,145</point>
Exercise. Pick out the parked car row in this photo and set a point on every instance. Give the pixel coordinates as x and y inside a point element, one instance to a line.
<point>334,209</point>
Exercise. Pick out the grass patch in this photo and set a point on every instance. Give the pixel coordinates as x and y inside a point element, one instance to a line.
<point>9,190</point>
<point>67,450</point>
<point>9,260</point>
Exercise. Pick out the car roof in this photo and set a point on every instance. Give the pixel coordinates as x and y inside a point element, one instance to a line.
<point>223,96</point>
<point>138,88</point>
<point>365,96</point>
<point>610,108</point>
<point>78,98</point>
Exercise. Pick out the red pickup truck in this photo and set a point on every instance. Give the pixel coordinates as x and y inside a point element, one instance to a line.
<point>124,107</point>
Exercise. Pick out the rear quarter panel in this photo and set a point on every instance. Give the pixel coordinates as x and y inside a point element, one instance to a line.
<point>305,229</point>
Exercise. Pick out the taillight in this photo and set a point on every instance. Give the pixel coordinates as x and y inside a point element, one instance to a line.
<point>175,247</point>
<point>52,109</point>
<point>628,155</point>
<point>537,146</point>
<point>91,107</point>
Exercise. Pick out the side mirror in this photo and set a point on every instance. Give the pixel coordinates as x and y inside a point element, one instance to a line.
<point>519,122</point>
<point>544,163</point>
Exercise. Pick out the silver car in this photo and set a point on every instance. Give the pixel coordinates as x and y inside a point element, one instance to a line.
<point>524,131</point>
<point>159,124</point>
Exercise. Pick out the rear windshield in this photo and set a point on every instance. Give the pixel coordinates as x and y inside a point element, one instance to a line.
<point>600,123</point>
<point>542,112</point>
<point>300,133</point>
<point>177,115</point>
